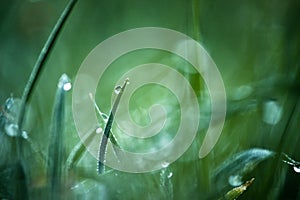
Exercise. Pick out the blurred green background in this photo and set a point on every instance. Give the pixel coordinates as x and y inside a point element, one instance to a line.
<point>255,45</point>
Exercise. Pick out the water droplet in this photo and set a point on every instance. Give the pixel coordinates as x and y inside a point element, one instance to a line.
<point>64,83</point>
<point>170,175</point>
<point>99,130</point>
<point>118,89</point>
<point>165,164</point>
<point>11,129</point>
<point>297,168</point>
<point>235,180</point>
<point>67,86</point>
<point>272,112</point>
<point>24,135</point>
<point>12,107</point>
<point>8,104</point>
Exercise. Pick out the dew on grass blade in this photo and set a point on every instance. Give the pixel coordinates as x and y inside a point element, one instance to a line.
<point>166,182</point>
<point>288,160</point>
<point>103,116</point>
<point>235,180</point>
<point>40,62</point>
<point>297,168</point>
<point>9,130</point>
<point>12,122</point>
<point>118,89</point>
<point>233,170</point>
<point>165,164</point>
<point>10,162</point>
<point>56,147</point>
<point>9,118</point>
<point>99,130</point>
<point>79,149</point>
<point>64,83</point>
<point>237,191</point>
<point>107,131</point>
<point>13,179</point>
<point>67,86</point>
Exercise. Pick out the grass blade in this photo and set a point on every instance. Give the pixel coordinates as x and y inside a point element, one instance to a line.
<point>36,71</point>
<point>56,146</point>
<point>107,130</point>
<point>233,171</point>
<point>237,191</point>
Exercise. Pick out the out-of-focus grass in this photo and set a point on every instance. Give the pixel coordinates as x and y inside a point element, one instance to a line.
<point>251,42</point>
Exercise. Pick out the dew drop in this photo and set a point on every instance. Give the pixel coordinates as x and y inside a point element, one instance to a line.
<point>297,168</point>
<point>272,112</point>
<point>11,129</point>
<point>99,130</point>
<point>170,175</point>
<point>118,89</point>
<point>67,86</point>
<point>64,83</point>
<point>235,180</point>
<point>165,164</point>
<point>24,135</point>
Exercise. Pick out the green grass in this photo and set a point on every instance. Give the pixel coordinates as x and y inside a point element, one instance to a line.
<point>253,43</point>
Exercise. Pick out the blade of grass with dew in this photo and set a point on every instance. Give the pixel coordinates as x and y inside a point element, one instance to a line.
<point>166,184</point>
<point>56,145</point>
<point>104,119</point>
<point>102,149</point>
<point>237,191</point>
<point>79,149</point>
<point>37,69</point>
<point>233,171</point>
<point>11,166</point>
<point>9,130</point>
<point>288,160</point>
<point>22,185</point>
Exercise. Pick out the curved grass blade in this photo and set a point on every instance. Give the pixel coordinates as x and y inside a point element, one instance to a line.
<point>104,119</point>
<point>56,146</point>
<point>36,71</point>
<point>233,171</point>
<point>16,127</point>
<point>78,150</point>
<point>107,130</point>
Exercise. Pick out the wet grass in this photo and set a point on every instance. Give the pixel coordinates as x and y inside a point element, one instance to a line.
<point>255,46</point>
